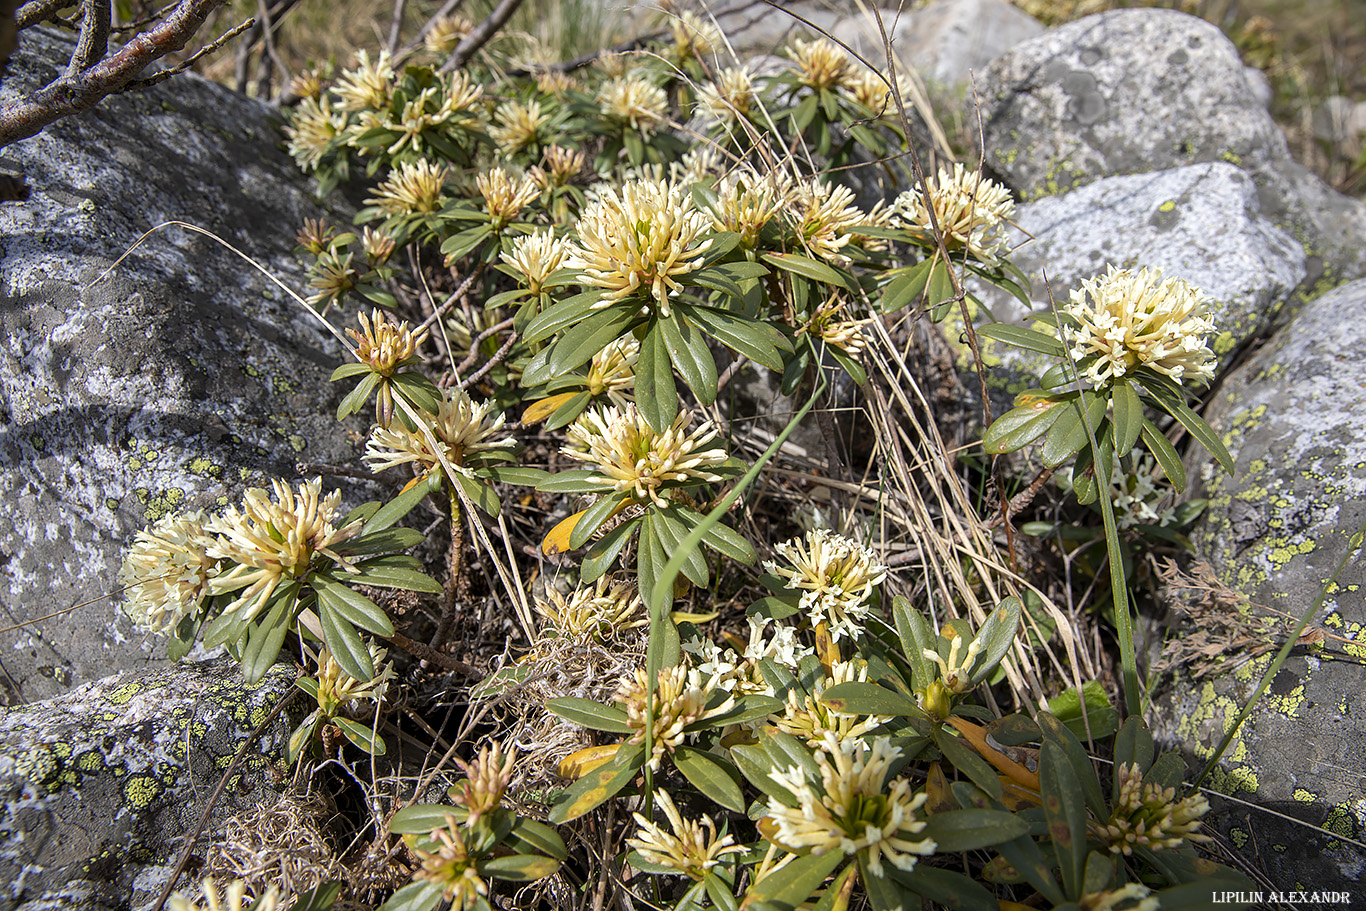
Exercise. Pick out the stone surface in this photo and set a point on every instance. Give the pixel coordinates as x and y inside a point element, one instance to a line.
<point>165,384</point>
<point>1141,90</point>
<point>1276,531</point>
<point>1200,223</point>
<point>98,786</point>
<point>948,41</point>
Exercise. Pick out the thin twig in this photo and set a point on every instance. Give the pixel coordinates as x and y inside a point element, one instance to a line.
<point>1021,499</point>
<point>427,653</point>
<point>473,356</point>
<point>481,35</point>
<point>94,40</point>
<point>498,357</point>
<point>454,564</point>
<point>396,25</point>
<point>218,792</point>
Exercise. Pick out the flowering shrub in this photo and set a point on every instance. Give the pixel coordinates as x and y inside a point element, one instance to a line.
<point>575,260</point>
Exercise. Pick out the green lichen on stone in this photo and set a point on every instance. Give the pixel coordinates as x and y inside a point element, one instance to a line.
<point>1238,836</point>
<point>1232,158</point>
<point>205,468</point>
<point>1304,796</point>
<point>156,506</point>
<point>1341,822</point>
<point>140,790</point>
<point>120,695</point>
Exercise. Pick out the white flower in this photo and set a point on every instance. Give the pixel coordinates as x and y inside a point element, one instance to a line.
<point>691,848</point>
<point>972,212</point>
<point>835,576</point>
<point>166,572</point>
<point>461,427</point>
<point>1136,319</point>
<point>634,458</point>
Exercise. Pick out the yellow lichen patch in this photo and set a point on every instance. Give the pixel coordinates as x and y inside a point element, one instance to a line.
<point>1284,553</point>
<point>121,694</point>
<point>140,790</point>
<point>1304,796</point>
<point>1224,342</point>
<point>90,761</point>
<point>1340,822</point>
<point>205,468</point>
<point>1238,837</point>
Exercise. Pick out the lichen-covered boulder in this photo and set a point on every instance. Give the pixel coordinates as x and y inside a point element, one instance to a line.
<point>168,383</point>
<point>1275,531</point>
<point>1201,223</point>
<point>99,786</point>
<point>1133,91</point>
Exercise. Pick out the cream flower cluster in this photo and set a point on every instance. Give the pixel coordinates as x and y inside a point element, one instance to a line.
<point>811,720</point>
<point>853,810</point>
<point>835,576</point>
<point>1137,319</point>
<point>460,428</point>
<point>691,848</point>
<point>824,216</point>
<point>612,372</point>
<point>535,256</point>
<point>594,613</point>
<point>1149,816</point>
<point>680,699</point>
<point>273,540</point>
<point>166,572</point>
<point>635,459</point>
<point>972,211</point>
<point>641,239</point>
<point>635,101</point>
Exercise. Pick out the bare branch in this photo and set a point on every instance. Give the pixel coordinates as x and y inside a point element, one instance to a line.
<point>190,61</point>
<point>71,94</point>
<point>94,40</point>
<point>484,31</point>
<point>37,10</point>
<point>396,25</point>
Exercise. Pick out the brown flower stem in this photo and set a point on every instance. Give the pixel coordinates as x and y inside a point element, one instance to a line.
<point>454,556</point>
<point>468,362</point>
<point>499,356</point>
<point>427,653</point>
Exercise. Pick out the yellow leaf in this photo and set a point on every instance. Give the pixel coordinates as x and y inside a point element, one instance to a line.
<point>557,541</point>
<point>682,616</point>
<point>977,736</point>
<point>539,411</point>
<point>576,765</point>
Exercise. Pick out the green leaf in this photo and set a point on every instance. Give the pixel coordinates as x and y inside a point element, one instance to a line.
<point>747,708</point>
<point>363,736</point>
<point>537,836</point>
<point>517,475</point>
<point>397,508</point>
<point>715,281</point>
<point>760,342</point>
<point>720,894</point>
<point>1133,746</point>
<point>806,267</point>
<point>805,113</point>
<point>590,714</point>
<point>591,520</point>
<point>334,596</point>
<point>355,399</point>
<point>604,551</point>
<point>264,640</point>
<point>903,291</point>
<point>599,785</point>
<point>1021,426</point>
<point>421,896</point>
<point>1023,337</point>
<point>574,480</point>
<point>1068,435</point>
<point>1165,454</point>
<point>1029,861</point>
<point>742,271</point>
<point>965,759</point>
<point>419,391</point>
<point>381,541</point>
<point>422,818</point>
<point>346,370</point>
<point>1066,707</point>
<point>968,830</point>
<point>729,543</point>
<point>755,764</point>
<point>793,884</point>
<point>459,245</point>
<point>996,635</point>
<point>883,892</point>
<point>868,699</point>
<point>345,644</point>
<point>671,528</point>
<point>397,571</point>
<point>480,493</point>
<point>916,636</point>
<point>689,353</point>
<point>1064,808</point>
<point>594,332</point>
<point>1056,732</point>
<point>1014,730</point>
<point>566,413</point>
<point>1170,402</point>
<point>945,887</point>
<point>1128,415</point>
<point>656,395</point>
<point>519,867</point>
<point>561,316</point>
<point>716,779</point>
<point>850,365</point>
<point>320,898</point>
<point>786,751</point>
<point>939,289</point>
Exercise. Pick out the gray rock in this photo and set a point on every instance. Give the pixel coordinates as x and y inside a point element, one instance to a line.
<point>98,786</point>
<point>1276,531</point>
<point>165,384</point>
<point>1200,223</point>
<point>1141,90</point>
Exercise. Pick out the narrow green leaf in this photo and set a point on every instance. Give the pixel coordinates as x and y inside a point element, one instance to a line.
<point>1023,337</point>
<point>422,818</point>
<point>592,520</point>
<point>904,290</point>
<point>850,364</point>
<point>538,837</point>
<point>916,636</point>
<point>1056,732</point>
<point>605,550</point>
<point>397,571</point>
<point>793,884</point>
<point>968,830</point>
<point>598,786</point>
<point>1068,435</point>
<point>1064,807</point>
<point>264,640</point>
<point>1128,415</point>
<point>1165,454</point>
<point>718,780</point>
<point>806,267</point>
<point>358,610</point>
<point>320,898</point>
<point>574,480</point>
<point>418,391</point>
<point>947,888</point>
<point>884,893</point>
<point>519,867</point>
<point>713,280</point>
<point>996,636</point>
<point>480,493</point>
<point>346,370</point>
<point>755,764</point>
<point>355,400</point>
<point>561,316</point>
<point>1021,426</point>
<point>345,644</point>
<point>577,344</point>
<point>689,353</point>
<point>729,543</point>
<point>391,512</point>
<point>672,528</point>
<point>939,289</point>
<point>362,735</point>
<point>868,699</point>
<point>590,714</point>
<point>517,475</point>
<point>420,896</point>
<point>786,751</point>
<point>656,394</point>
<point>720,894</point>
<point>759,342</point>
<point>1133,746</point>
<point>1014,730</point>
<point>965,759</point>
<point>1202,432</point>
<point>381,541</point>
<point>1029,861</point>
